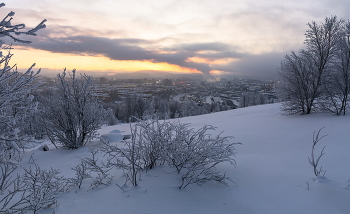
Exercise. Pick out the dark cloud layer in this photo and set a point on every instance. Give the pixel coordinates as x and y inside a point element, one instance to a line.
<point>213,46</point>
<point>262,66</point>
<point>254,66</point>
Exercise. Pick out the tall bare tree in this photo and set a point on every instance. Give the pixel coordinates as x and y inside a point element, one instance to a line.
<point>303,75</point>
<point>295,85</point>
<point>338,81</point>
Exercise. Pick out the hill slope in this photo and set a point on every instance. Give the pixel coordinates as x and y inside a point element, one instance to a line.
<point>271,175</point>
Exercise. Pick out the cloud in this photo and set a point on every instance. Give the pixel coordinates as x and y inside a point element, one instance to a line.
<point>136,49</point>
<point>261,66</point>
<point>213,46</point>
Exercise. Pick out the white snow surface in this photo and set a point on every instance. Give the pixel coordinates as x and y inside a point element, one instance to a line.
<point>271,175</point>
<point>112,137</point>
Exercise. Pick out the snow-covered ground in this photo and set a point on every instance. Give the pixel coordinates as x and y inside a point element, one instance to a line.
<point>272,173</point>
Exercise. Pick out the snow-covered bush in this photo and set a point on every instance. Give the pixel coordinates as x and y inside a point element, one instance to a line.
<point>100,169</point>
<point>71,114</point>
<point>145,149</point>
<point>81,173</point>
<point>194,153</point>
<point>13,199</point>
<point>198,174</point>
<point>129,158</point>
<point>14,86</point>
<point>42,187</point>
<point>93,169</point>
<point>7,166</point>
<point>36,189</point>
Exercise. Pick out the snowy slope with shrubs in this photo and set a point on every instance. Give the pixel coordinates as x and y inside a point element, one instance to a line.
<point>272,173</point>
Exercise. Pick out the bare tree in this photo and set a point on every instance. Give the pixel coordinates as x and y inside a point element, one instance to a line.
<point>297,85</point>
<point>302,76</point>
<point>252,99</point>
<point>337,89</point>
<point>72,113</point>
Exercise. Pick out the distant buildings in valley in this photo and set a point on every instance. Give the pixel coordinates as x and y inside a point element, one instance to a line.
<point>179,88</point>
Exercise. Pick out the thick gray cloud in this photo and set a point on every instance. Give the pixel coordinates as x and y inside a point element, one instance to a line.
<point>136,49</point>
<point>117,49</point>
<point>213,46</point>
<point>262,66</point>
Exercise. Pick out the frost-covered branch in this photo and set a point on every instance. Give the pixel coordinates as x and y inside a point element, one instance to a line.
<point>314,161</point>
<point>36,189</point>
<point>7,167</point>
<point>42,187</point>
<point>15,100</point>
<point>14,31</point>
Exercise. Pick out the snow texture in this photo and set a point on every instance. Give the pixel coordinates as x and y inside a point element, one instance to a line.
<point>112,137</point>
<point>272,175</point>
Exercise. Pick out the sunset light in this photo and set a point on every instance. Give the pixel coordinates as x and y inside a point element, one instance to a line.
<point>57,61</point>
<point>173,36</point>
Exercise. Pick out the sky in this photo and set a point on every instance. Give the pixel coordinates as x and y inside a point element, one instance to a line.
<point>246,38</point>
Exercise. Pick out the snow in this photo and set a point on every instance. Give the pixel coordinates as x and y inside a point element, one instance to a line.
<point>272,173</point>
<point>112,137</point>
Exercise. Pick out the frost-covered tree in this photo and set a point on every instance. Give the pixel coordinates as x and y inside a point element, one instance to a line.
<point>135,107</point>
<point>72,113</point>
<point>338,81</point>
<point>297,84</point>
<point>252,99</point>
<point>245,100</point>
<point>302,76</point>
<point>14,86</point>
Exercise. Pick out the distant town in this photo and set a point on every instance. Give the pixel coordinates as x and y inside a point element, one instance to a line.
<point>179,88</point>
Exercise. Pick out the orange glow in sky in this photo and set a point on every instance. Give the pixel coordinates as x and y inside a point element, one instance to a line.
<point>217,72</point>
<point>44,59</point>
<point>210,61</point>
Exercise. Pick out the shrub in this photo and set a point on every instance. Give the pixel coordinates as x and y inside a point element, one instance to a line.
<point>72,113</point>
<point>191,152</point>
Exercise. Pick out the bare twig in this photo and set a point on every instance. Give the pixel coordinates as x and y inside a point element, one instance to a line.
<point>313,160</point>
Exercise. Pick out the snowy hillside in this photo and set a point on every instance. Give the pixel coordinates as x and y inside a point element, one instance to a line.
<point>272,173</point>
